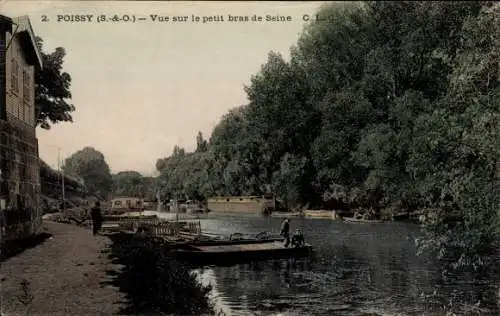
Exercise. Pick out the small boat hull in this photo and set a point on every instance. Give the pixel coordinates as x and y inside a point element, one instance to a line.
<point>209,242</point>
<point>286,214</point>
<point>360,220</point>
<point>320,214</point>
<point>229,254</point>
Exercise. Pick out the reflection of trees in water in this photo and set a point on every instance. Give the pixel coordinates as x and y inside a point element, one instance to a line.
<point>467,293</point>
<point>386,270</point>
<point>275,281</point>
<point>354,264</point>
<point>380,268</point>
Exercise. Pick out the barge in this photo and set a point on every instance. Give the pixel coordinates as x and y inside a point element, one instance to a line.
<point>264,204</point>
<point>238,252</point>
<point>324,214</point>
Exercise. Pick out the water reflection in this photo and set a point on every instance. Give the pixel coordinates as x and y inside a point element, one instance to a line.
<point>357,269</point>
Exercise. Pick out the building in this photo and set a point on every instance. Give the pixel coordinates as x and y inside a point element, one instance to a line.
<point>20,59</point>
<point>127,203</point>
<point>242,204</point>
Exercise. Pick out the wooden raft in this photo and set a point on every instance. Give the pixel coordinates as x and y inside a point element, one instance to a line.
<point>269,246</point>
<point>184,230</point>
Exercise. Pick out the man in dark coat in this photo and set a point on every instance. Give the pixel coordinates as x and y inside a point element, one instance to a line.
<point>285,231</point>
<point>95,214</point>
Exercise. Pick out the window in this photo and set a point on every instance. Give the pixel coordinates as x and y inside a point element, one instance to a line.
<point>26,85</point>
<point>14,80</point>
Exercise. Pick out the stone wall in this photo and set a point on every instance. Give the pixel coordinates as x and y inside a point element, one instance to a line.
<point>20,214</point>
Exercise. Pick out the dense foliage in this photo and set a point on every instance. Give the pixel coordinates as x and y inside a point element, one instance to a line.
<point>90,165</point>
<point>154,283</point>
<point>52,89</point>
<point>383,105</point>
<point>133,184</point>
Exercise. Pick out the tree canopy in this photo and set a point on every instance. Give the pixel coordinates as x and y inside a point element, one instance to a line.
<point>133,184</point>
<point>90,165</point>
<point>52,89</point>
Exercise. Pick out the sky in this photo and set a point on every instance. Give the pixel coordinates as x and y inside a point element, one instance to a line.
<point>141,88</point>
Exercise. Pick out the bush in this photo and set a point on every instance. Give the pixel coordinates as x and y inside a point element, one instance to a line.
<point>153,282</point>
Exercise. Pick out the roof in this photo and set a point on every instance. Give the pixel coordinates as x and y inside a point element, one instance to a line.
<point>5,19</point>
<point>22,27</point>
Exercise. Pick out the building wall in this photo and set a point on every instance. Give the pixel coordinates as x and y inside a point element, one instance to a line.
<point>20,214</point>
<point>20,87</point>
<point>20,182</point>
<point>126,203</point>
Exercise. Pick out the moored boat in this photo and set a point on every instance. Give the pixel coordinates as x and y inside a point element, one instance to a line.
<point>286,214</point>
<point>361,220</point>
<point>242,251</point>
<point>264,204</point>
<point>325,214</point>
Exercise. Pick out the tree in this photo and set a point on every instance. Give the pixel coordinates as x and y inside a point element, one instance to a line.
<point>91,166</point>
<point>178,151</point>
<point>52,89</point>
<point>457,146</point>
<point>130,183</point>
<point>201,143</point>
<point>287,181</point>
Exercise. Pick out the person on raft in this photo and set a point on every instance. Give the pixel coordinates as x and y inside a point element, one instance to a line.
<point>285,231</point>
<point>298,238</point>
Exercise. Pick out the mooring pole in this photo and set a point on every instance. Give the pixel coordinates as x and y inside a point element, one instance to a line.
<point>63,193</point>
<point>176,209</point>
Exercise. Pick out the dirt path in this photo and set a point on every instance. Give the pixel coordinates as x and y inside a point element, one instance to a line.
<point>65,275</point>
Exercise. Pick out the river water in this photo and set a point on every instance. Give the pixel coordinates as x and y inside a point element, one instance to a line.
<point>357,269</point>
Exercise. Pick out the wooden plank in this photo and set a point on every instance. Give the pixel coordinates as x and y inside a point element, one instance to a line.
<point>243,248</point>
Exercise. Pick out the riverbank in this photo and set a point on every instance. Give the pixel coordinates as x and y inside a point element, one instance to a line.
<point>75,273</point>
<point>67,274</point>
<point>153,283</point>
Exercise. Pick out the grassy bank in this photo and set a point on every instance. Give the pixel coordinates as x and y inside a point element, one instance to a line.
<point>154,284</point>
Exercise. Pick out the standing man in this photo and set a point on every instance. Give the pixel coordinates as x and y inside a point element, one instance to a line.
<point>95,214</point>
<point>285,231</point>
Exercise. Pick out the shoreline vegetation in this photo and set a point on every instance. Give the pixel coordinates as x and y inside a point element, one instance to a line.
<point>152,282</point>
<point>155,283</point>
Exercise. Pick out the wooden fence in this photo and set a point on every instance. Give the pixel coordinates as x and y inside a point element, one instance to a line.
<point>158,227</point>
<point>162,229</point>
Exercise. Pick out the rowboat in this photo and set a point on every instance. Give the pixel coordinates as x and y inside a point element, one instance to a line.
<point>286,214</point>
<point>360,220</point>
